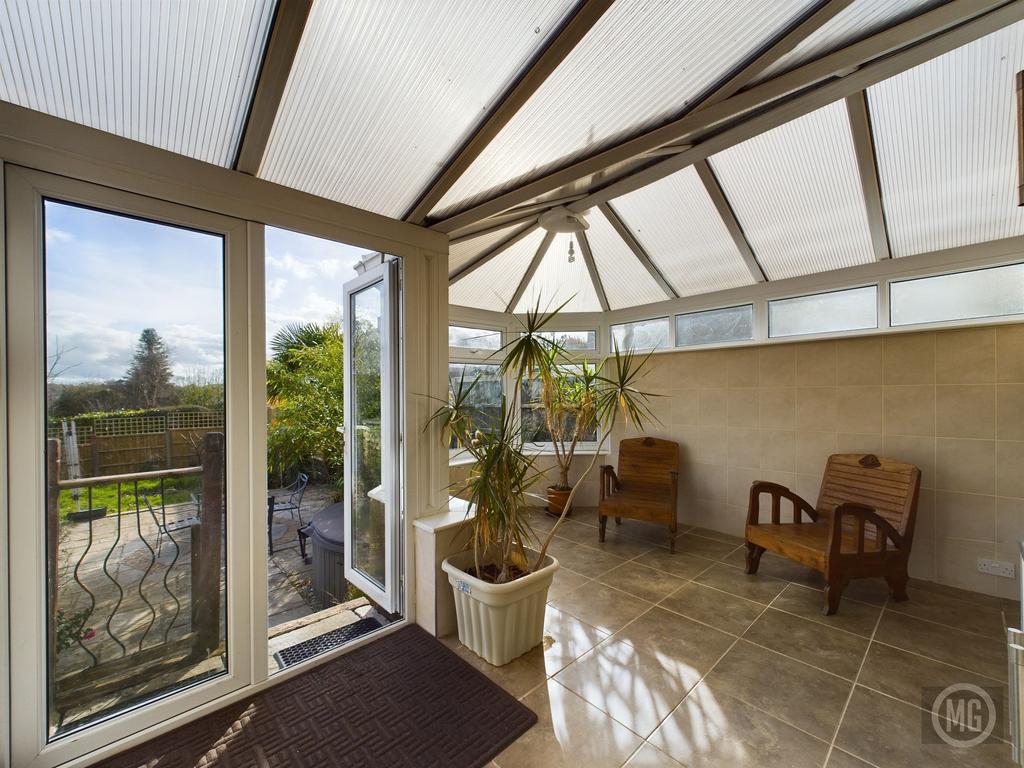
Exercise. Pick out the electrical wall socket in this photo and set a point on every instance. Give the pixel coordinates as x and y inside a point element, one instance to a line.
<point>996,567</point>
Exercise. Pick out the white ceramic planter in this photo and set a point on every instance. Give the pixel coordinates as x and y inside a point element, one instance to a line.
<point>499,622</point>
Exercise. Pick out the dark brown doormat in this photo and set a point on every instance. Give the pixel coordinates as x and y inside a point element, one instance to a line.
<point>404,700</point>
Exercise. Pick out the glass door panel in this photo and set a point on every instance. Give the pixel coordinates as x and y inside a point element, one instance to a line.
<point>371,486</point>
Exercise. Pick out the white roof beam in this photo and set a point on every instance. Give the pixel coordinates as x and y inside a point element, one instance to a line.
<point>638,250</point>
<point>282,46</point>
<point>732,224</point>
<point>487,255</point>
<point>867,166</point>
<point>806,27</point>
<point>844,72</point>
<point>586,16</point>
<point>531,270</point>
<point>595,275</point>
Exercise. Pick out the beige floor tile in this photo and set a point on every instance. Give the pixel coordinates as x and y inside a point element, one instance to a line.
<point>601,606</point>
<point>566,638</point>
<point>583,560</point>
<point>620,546</point>
<point>780,685</point>
<point>761,589</point>
<point>707,533</point>
<point>570,733</point>
<point>874,591</point>
<point>829,649</point>
<point>649,756</point>
<point>637,689</point>
<point>678,563</point>
<point>576,531</point>
<point>690,544</point>
<point>668,635</point>
<point>565,581</point>
<point>641,531</point>
<point>853,616</point>
<point>961,649</point>
<point>647,583</point>
<point>712,730</point>
<point>971,616</point>
<point>888,733</point>
<point>518,677</point>
<point>840,759</point>
<point>904,675</point>
<point>711,606</point>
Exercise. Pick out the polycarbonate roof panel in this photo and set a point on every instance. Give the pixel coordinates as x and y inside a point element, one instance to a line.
<point>643,62</point>
<point>176,74</point>
<point>557,280</point>
<point>796,192</point>
<point>383,93</point>
<point>945,142</point>
<point>679,227</point>
<point>492,285</point>
<point>463,252</point>
<point>626,281</point>
<point>860,19</point>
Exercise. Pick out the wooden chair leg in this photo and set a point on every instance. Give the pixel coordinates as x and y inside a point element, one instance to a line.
<point>672,538</point>
<point>833,594</point>
<point>898,584</point>
<point>601,527</point>
<point>754,553</point>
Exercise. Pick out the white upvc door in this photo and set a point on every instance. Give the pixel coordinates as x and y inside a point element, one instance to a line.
<point>372,440</point>
<point>41,736</point>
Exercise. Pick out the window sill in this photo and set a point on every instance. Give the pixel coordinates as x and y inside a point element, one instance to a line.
<point>458,459</point>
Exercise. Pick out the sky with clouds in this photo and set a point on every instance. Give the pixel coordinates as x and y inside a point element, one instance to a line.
<point>108,277</point>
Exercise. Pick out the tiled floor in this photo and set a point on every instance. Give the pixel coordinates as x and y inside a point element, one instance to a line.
<point>652,659</point>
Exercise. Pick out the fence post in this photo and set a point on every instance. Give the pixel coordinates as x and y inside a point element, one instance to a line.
<point>52,539</point>
<point>207,540</point>
<point>168,446</point>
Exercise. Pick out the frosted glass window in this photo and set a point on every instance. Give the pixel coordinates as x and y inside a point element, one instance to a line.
<point>643,62</point>
<point>176,74</point>
<point>945,138</point>
<point>678,225</point>
<point>642,334</point>
<point>572,341</point>
<point>960,296</point>
<point>849,310</point>
<point>715,326</point>
<point>473,338</point>
<point>797,194</point>
<point>383,93</point>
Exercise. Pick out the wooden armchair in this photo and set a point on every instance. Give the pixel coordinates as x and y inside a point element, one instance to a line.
<point>645,487</point>
<point>863,524</point>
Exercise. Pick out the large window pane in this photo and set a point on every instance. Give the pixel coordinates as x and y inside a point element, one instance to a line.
<point>462,337</point>
<point>485,395</point>
<point>642,334</point>
<point>960,296</point>
<point>534,415</point>
<point>572,341</point>
<point>848,310</point>
<point>715,326</point>
<point>136,473</point>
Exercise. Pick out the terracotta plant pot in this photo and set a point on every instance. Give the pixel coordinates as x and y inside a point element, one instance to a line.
<point>556,501</point>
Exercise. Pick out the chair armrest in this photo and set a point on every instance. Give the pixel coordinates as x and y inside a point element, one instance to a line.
<point>778,492</point>
<point>863,515</point>
<point>608,481</point>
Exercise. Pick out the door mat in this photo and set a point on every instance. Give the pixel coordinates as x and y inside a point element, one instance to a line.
<point>402,700</point>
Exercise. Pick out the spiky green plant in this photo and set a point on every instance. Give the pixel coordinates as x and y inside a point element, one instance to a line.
<point>503,471</point>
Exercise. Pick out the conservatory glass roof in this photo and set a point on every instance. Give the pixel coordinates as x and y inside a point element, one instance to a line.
<point>701,146</point>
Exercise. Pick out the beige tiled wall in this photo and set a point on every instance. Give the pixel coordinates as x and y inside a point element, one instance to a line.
<point>951,401</point>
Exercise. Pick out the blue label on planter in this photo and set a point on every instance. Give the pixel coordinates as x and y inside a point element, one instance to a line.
<point>462,586</point>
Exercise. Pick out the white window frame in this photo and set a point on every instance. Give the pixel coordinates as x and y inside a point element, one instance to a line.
<point>819,334</point>
<point>985,319</point>
<point>733,342</point>
<point>25,192</point>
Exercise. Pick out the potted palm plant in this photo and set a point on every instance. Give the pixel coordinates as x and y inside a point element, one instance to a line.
<point>501,579</point>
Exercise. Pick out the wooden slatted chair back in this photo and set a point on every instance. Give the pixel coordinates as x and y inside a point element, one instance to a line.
<point>647,461</point>
<point>888,486</point>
